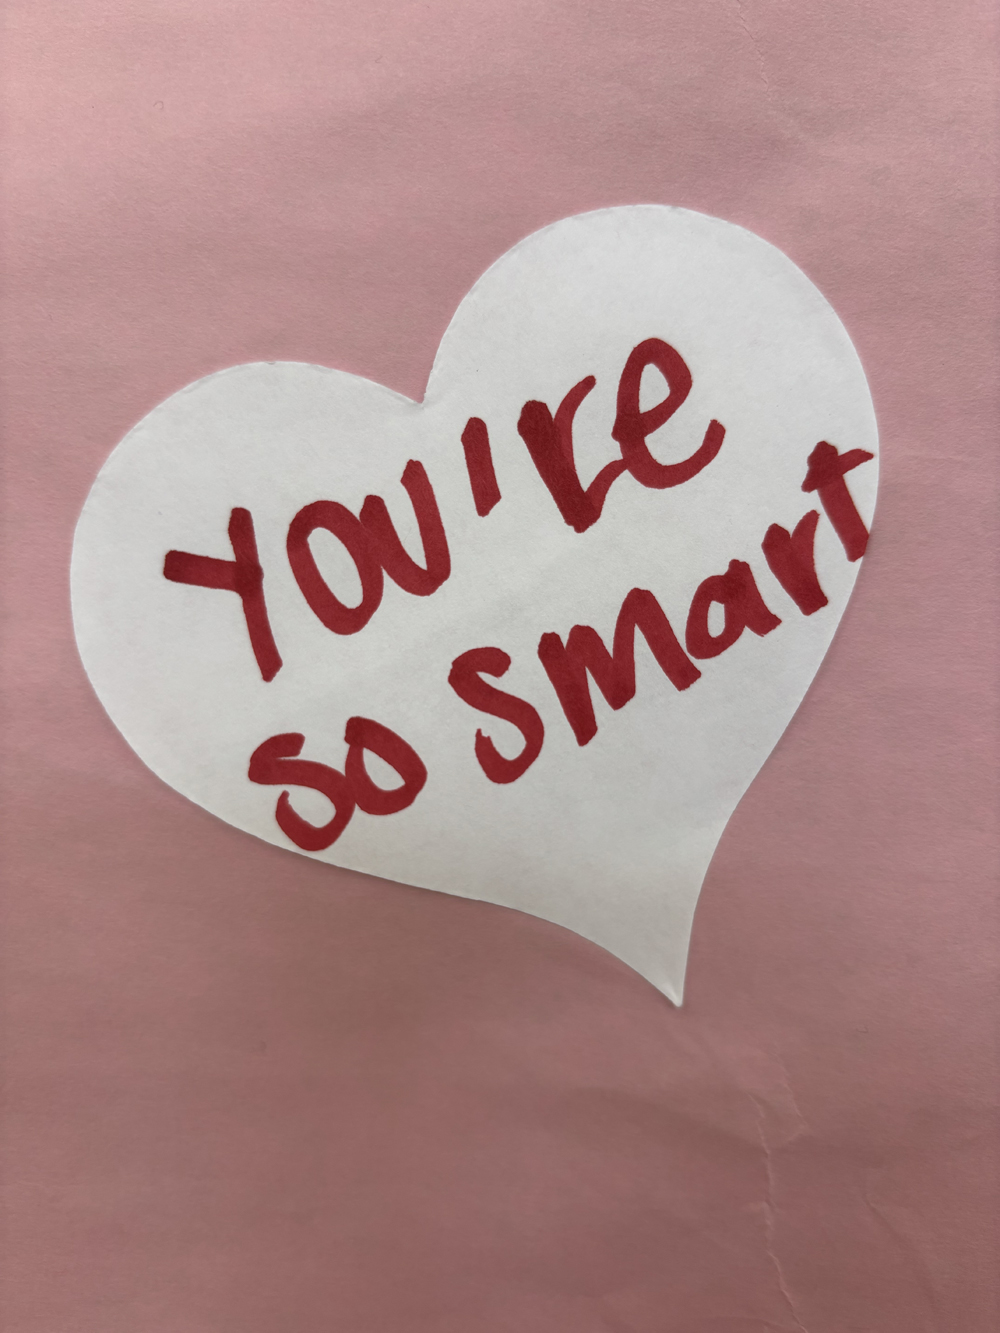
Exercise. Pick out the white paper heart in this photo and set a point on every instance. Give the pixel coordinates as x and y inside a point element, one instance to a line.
<point>610,826</point>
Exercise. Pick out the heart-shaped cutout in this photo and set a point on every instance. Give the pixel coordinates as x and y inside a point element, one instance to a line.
<point>530,640</point>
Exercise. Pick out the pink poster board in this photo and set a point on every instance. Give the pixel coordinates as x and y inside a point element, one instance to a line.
<point>246,1091</point>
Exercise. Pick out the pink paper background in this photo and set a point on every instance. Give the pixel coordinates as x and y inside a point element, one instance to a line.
<point>248,1093</point>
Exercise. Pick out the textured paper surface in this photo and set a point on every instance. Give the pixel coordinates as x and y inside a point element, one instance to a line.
<point>610,828</point>
<point>246,1091</point>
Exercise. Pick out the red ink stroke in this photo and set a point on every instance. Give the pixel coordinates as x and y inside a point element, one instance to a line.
<point>737,592</point>
<point>363,734</point>
<point>827,468</point>
<point>411,577</point>
<point>792,561</point>
<point>479,464</point>
<point>632,425</point>
<point>274,763</point>
<point>567,664</point>
<point>550,444</point>
<point>244,576</point>
<point>465,678</point>
<point>335,518</point>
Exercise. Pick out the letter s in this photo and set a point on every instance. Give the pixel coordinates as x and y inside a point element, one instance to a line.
<point>274,763</point>
<point>465,678</point>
